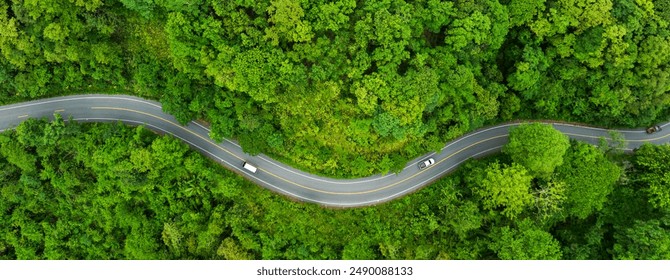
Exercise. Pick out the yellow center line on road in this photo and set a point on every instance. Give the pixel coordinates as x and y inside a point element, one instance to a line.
<point>396,183</point>
<point>208,141</point>
<point>22,116</point>
<point>329,192</point>
<point>286,180</point>
<point>437,163</point>
<point>417,174</point>
<point>60,110</point>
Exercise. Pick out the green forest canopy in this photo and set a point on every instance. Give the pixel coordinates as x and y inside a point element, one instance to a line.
<point>348,88</point>
<point>109,191</point>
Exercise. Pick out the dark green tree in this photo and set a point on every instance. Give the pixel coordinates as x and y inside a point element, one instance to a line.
<point>589,179</point>
<point>526,242</point>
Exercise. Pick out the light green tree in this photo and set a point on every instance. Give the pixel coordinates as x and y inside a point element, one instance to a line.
<point>538,147</point>
<point>505,187</point>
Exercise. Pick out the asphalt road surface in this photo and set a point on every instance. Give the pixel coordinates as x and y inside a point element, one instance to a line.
<point>283,179</point>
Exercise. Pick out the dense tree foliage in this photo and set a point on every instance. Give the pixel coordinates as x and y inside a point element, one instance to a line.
<point>653,162</point>
<point>525,243</point>
<point>506,187</point>
<point>647,240</point>
<point>108,191</point>
<point>343,87</point>
<point>596,61</point>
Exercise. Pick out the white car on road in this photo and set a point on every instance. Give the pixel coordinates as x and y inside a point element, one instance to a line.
<point>249,167</point>
<point>426,163</point>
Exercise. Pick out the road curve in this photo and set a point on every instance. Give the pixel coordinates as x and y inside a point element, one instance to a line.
<point>286,180</point>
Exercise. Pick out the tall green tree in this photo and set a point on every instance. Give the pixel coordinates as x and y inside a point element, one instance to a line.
<point>538,147</point>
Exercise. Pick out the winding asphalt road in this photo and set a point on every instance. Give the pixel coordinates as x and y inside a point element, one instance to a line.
<point>283,179</point>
